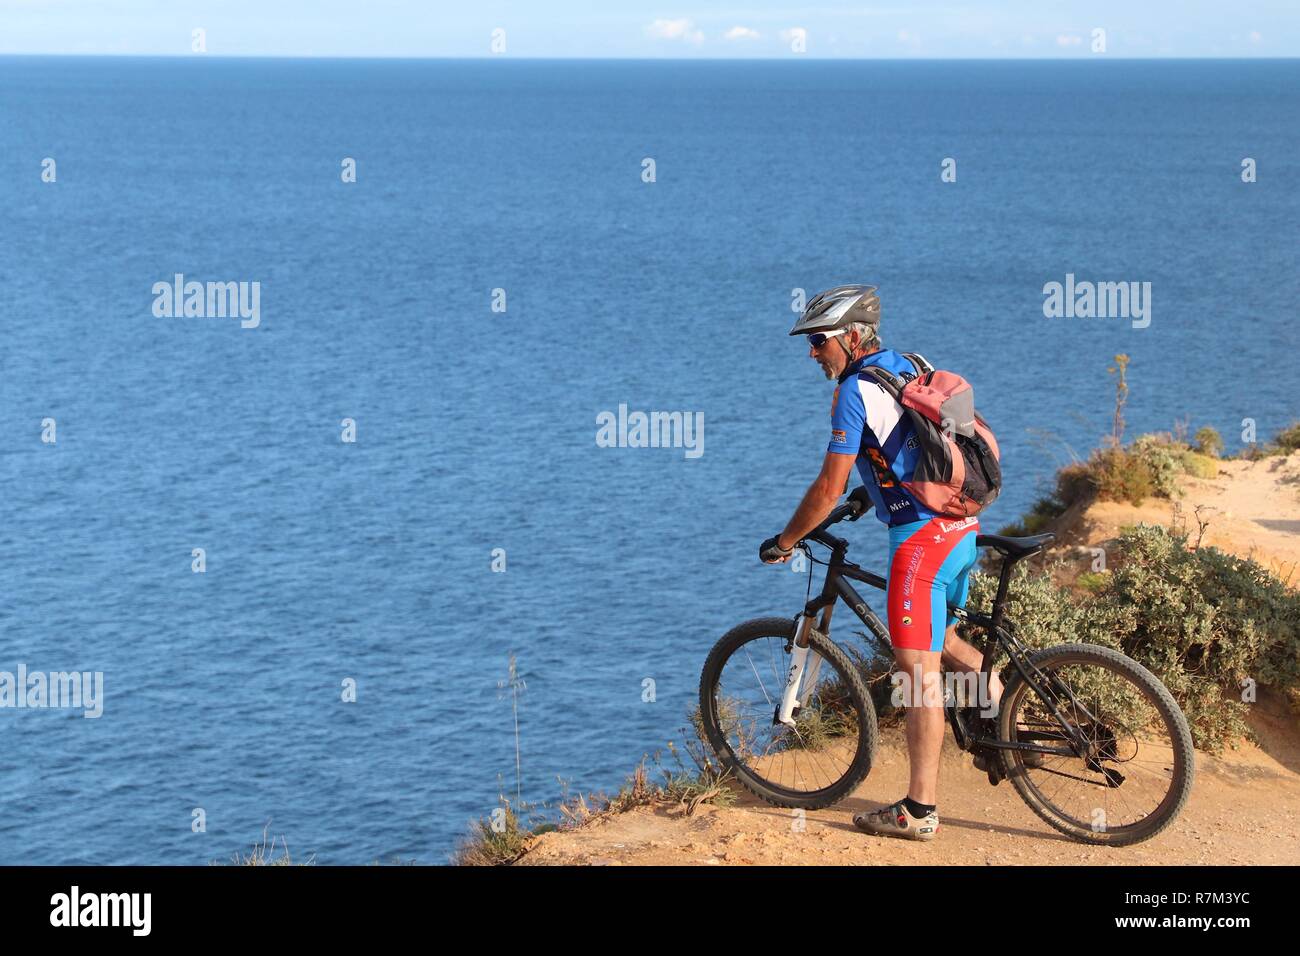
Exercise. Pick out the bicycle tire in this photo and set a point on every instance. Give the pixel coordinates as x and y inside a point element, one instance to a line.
<point>1156,694</point>
<point>858,767</point>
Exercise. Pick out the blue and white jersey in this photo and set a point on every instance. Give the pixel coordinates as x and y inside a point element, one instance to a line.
<point>867,422</point>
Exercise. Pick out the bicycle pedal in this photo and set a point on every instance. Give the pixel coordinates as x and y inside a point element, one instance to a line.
<point>989,764</point>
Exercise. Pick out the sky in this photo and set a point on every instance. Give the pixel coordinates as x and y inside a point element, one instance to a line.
<point>662,28</point>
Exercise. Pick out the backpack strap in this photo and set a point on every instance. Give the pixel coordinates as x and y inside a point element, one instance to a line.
<point>890,381</point>
<point>918,361</point>
<point>885,476</point>
<point>885,379</point>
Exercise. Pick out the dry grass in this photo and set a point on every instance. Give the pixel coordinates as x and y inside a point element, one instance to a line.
<point>263,853</point>
<point>681,786</point>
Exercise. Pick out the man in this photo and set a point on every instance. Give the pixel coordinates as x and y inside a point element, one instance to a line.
<point>930,557</point>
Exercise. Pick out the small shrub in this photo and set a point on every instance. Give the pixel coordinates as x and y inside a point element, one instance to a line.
<point>1164,458</point>
<point>688,787</point>
<point>489,846</point>
<point>1121,476</point>
<point>1209,442</point>
<point>1288,439</point>
<point>1201,465</point>
<point>1091,580</point>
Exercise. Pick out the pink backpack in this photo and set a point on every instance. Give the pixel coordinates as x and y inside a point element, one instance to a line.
<point>958,473</point>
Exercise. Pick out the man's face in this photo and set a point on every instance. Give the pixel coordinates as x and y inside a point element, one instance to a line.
<point>830,354</point>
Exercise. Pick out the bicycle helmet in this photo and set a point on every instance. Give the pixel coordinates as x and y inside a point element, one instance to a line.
<point>838,307</point>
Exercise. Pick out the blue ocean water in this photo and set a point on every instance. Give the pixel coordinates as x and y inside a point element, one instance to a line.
<point>371,561</point>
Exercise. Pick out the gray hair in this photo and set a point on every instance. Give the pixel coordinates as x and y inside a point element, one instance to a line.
<point>868,335</point>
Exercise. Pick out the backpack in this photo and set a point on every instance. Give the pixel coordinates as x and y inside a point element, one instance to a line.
<point>958,473</point>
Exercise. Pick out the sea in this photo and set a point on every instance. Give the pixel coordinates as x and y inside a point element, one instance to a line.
<point>347,569</point>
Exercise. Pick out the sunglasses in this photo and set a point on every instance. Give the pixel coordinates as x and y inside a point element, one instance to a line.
<point>818,339</point>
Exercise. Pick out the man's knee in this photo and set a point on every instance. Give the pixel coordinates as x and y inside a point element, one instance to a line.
<point>917,679</point>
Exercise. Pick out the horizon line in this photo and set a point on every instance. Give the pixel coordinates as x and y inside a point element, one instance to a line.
<point>789,58</point>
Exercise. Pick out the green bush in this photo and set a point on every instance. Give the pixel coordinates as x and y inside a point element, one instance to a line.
<point>1201,465</point>
<point>1202,621</point>
<point>1166,460</point>
<point>1288,439</point>
<point>1209,442</point>
<point>1119,475</point>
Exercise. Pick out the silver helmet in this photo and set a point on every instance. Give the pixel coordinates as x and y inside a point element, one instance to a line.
<point>838,307</point>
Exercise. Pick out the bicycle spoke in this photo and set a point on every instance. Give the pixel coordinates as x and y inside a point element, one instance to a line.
<point>813,754</point>
<point>1116,721</point>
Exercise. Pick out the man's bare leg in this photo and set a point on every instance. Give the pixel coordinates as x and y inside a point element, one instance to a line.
<point>960,655</point>
<point>924,723</point>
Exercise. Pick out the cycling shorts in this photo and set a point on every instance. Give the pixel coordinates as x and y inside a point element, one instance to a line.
<point>930,563</point>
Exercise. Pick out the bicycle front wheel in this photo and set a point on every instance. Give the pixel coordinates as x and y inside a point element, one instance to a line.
<point>1134,773</point>
<point>828,751</point>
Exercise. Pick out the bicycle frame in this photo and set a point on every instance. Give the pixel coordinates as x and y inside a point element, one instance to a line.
<point>836,586</point>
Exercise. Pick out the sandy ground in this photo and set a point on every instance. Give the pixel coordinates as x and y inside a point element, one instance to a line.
<point>1244,808</point>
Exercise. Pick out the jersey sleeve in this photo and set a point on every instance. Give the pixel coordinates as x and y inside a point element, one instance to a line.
<point>848,418</point>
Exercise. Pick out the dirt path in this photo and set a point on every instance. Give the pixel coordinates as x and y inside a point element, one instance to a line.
<point>1225,822</point>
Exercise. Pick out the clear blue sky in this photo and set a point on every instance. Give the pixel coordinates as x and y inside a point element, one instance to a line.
<point>662,28</point>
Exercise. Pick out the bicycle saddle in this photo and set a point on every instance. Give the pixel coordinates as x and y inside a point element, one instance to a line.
<point>1016,548</point>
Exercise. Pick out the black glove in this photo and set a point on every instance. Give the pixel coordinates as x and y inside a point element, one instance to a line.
<point>769,552</point>
<point>862,499</point>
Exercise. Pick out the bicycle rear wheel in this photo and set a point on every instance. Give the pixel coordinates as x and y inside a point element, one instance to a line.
<point>1136,773</point>
<point>829,750</point>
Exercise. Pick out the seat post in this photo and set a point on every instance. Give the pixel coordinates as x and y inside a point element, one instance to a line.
<point>1004,582</point>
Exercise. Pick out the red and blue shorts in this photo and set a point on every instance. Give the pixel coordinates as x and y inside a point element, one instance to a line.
<point>929,568</point>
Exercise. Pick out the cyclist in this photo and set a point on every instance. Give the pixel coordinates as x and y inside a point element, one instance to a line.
<point>930,556</point>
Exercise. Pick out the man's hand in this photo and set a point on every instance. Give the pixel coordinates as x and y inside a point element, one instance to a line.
<point>770,552</point>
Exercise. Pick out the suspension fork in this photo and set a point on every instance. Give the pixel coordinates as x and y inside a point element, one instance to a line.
<point>814,668</point>
<point>802,669</point>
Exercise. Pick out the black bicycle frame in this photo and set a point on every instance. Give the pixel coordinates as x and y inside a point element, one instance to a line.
<point>836,586</point>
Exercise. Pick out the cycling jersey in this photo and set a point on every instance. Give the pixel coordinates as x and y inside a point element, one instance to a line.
<point>867,422</point>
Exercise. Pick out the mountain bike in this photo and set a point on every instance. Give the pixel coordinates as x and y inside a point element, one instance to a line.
<point>1091,740</point>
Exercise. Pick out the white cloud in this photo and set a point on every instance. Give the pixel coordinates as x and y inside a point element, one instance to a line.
<point>794,33</point>
<point>740,33</point>
<point>675,30</point>
<point>1255,36</point>
<point>1070,39</point>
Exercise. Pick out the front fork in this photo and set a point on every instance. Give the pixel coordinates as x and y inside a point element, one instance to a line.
<point>805,665</point>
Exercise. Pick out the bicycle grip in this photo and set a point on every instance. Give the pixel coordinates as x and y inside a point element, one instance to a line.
<point>860,498</point>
